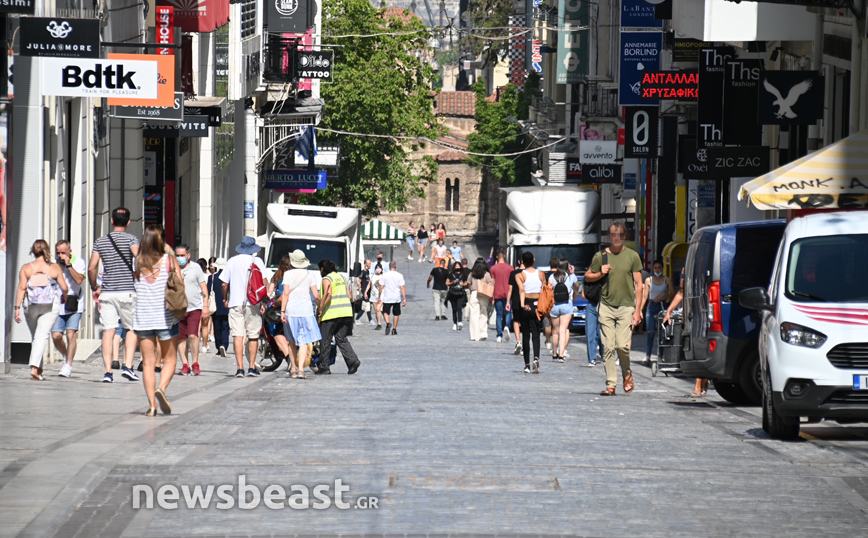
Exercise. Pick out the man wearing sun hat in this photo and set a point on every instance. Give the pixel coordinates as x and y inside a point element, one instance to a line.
<point>245,319</point>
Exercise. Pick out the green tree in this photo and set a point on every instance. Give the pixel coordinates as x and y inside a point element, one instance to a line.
<point>496,134</point>
<point>489,19</point>
<point>381,87</point>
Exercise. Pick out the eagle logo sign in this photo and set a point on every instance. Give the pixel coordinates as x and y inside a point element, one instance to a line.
<point>785,109</point>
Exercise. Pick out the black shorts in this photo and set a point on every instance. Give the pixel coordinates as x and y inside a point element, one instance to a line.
<point>392,308</point>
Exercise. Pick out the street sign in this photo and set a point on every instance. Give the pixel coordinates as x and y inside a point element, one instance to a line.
<point>316,64</point>
<point>174,113</point>
<point>295,179</point>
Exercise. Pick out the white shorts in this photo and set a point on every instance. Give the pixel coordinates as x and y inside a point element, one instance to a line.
<point>117,306</point>
<point>245,321</point>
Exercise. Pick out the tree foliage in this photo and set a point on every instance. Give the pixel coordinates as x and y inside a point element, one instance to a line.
<point>497,134</point>
<point>380,88</point>
<point>488,14</point>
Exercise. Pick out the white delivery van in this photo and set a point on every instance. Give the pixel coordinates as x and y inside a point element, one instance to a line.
<point>814,340</point>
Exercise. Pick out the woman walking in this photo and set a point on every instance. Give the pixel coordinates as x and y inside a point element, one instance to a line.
<point>411,239</point>
<point>565,286</point>
<point>479,302</point>
<point>297,311</point>
<point>207,326</point>
<point>422,241</point>
<point>39,280</point>
<point>277,330</point>
<point>456,283</point>
<point>153,323</point>
<point>373,292</point>
<point>530,282</point>
<point>658,291</point>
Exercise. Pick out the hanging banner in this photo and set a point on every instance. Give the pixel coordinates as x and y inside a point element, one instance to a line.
<point>640,53</point>
<point>165,20</point>
<point>598,151</point>
<point>740,95</point>
<point>73,38</point>
<point>641,132</point>
<point>712,62</point>
<point>163,79</point>
<point>94,77</point>
<point>517,50</point>
<point>638,14</point>
<point>191,126</point>
<point>679,85</point>
<point>729,162</point>
<point>791,97</point>
<point>172,113</point>
<point>573,20</point>
<point>598,174</point>
<point>295,179</point>
<point>315,64</point>
<point>574,170</point>
<point>289,16</point>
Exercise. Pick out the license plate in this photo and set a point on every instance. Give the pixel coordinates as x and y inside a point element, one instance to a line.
<point>860,382</point>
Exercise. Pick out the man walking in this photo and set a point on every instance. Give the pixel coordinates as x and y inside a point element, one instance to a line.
<point>69,319</point>
<point>620,305</point>
<point>393,295</point>
<point>117,294</point>
<point>501,271</point>
<point>335,312</point>
<point>440,291</point>
<point>195,284</point>
<point>221,313</point>
<point>245,320</point>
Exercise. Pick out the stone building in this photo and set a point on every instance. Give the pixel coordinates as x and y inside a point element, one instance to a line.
<point>461,199</point>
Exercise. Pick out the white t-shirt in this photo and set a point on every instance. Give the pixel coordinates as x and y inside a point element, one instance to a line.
<point>74,289</point>
<point>392,282</point>
<point>193,278</point>
<point>299,282</point>
<point>235,274</point>
<point>440,250</point>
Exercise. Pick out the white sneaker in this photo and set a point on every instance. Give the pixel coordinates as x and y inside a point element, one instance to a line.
<point>506,334</point>
<point>566,354</point>
<point>499,339</point>
<point>65,370</point>
<point>548,345</point>
<point>358,322</point>
<point>460,325</point>
<point>372,323</point>
<point>410,258</point>
<point>454,327</point>
<point>517,349</point>
<point>203,349</point>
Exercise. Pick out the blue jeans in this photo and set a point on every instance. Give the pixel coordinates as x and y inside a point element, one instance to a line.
<point>500,309</point>
<point>592,332</point>
<point>651,312</point>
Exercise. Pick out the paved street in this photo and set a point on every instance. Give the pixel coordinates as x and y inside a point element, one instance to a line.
<point>449,435</point>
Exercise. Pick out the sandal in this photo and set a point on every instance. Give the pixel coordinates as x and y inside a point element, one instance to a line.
<point>293,375</point>
<point>300,376</point>
<point>36,377</point>
<point>697,395</point>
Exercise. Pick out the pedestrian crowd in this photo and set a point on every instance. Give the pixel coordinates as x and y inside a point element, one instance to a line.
<point>156,299</point>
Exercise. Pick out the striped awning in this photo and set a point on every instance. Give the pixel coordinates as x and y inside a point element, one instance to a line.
<point>833,177</point>
<point>378,230</point>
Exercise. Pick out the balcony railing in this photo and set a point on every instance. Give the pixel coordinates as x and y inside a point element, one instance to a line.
<point>599,101</point>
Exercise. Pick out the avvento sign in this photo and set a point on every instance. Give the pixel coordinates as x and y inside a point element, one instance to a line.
<point>598,151</point>
<point>82,77</point>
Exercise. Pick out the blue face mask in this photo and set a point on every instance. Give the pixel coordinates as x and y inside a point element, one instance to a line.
<point>182,261</point>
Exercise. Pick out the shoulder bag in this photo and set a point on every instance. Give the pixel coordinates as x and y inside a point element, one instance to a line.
<point>485,289</point>
<point>594,290</point>
<point>176,295</point>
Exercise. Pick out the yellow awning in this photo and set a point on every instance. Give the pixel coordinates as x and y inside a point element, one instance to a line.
<point>833,177</point>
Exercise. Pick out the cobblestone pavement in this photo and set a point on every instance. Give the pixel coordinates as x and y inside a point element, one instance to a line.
<point>449,435</point>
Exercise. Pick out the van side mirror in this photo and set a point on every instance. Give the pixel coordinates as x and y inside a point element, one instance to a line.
<point>755,299</point>
<point>357,270</point>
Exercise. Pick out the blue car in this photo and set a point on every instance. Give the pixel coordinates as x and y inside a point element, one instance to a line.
<point>579,307</point>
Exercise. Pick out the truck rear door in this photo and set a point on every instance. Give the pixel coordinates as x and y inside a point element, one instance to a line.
<point>697,276</point>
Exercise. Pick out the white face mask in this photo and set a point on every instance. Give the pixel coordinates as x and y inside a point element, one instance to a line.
<point>658,274</point>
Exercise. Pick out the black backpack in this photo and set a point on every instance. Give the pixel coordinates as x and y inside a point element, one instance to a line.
<point>562,293</point>
<point>594,290</point>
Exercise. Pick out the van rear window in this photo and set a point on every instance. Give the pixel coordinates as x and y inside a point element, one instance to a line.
<point>754,260</point>
<point>828,269</point>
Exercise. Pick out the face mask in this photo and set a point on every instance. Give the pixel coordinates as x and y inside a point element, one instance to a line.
<point>379,271</point>
<point>182,261</point>
<point>658,274</point>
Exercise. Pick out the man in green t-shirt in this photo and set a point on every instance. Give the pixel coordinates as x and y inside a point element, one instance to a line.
<point>620,309</point>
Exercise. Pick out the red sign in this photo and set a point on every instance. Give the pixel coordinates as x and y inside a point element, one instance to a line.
<point>622,137</point>
<point>165,28</point>
<point>199,15</point>
<point>683,85</point>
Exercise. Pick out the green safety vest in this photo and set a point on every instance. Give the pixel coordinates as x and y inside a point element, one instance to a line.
<point>340,305</point>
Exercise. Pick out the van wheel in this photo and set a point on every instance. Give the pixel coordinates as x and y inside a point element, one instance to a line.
<point>750,378</point>
<point>731,392</point>
<point>778,427</point>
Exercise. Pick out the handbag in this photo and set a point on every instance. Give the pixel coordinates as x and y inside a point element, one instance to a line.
<point>176,295</point>
<point>212,303</point>
<point>485,289</point>
<point>72,303</point>
<point>545,302</point>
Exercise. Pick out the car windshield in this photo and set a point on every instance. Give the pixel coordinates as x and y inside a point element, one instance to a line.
<point>579,255</point>
<point>829,269</point>
<point>314,249</point>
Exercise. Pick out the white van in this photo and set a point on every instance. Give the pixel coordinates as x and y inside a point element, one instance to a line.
<point>814,341</point>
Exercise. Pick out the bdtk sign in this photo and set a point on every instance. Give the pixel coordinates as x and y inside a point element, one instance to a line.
<point>641,132</point>
<point>80,77</point>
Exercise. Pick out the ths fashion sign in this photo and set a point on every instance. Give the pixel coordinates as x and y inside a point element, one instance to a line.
<point>740,87</point>
<point>712,62</point>
<point>73,38</point>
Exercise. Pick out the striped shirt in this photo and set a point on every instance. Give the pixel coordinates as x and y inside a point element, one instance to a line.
<point>116,272</point>
<point>151,313</point>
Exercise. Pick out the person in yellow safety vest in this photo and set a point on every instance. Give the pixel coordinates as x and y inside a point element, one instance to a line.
<point>335,312</point>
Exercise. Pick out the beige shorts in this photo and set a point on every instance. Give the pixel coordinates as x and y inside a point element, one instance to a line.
<point>245,321</point>
<point>117,306</point>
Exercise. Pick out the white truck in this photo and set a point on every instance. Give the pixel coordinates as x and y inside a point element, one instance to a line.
<point>550,221</point>
<point>333,233</point>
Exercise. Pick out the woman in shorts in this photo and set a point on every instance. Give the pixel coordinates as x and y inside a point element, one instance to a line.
<point>296,311</point>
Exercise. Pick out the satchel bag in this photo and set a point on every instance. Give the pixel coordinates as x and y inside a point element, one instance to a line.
<point>545,302</point>
<point>71,303</point>
<point>176,295</point>
<point>485,289</point>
